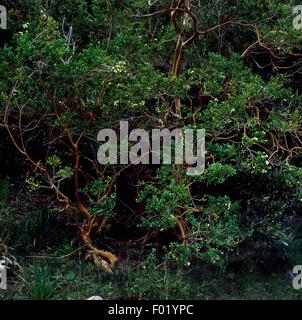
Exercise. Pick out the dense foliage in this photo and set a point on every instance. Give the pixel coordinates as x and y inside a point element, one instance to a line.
<point>70,68</point>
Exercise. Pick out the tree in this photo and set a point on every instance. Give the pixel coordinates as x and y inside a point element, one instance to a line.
<point>228,67</point>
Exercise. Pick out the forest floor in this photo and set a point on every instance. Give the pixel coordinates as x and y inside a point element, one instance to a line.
<point>51,265</point>
<point>72,278</point>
